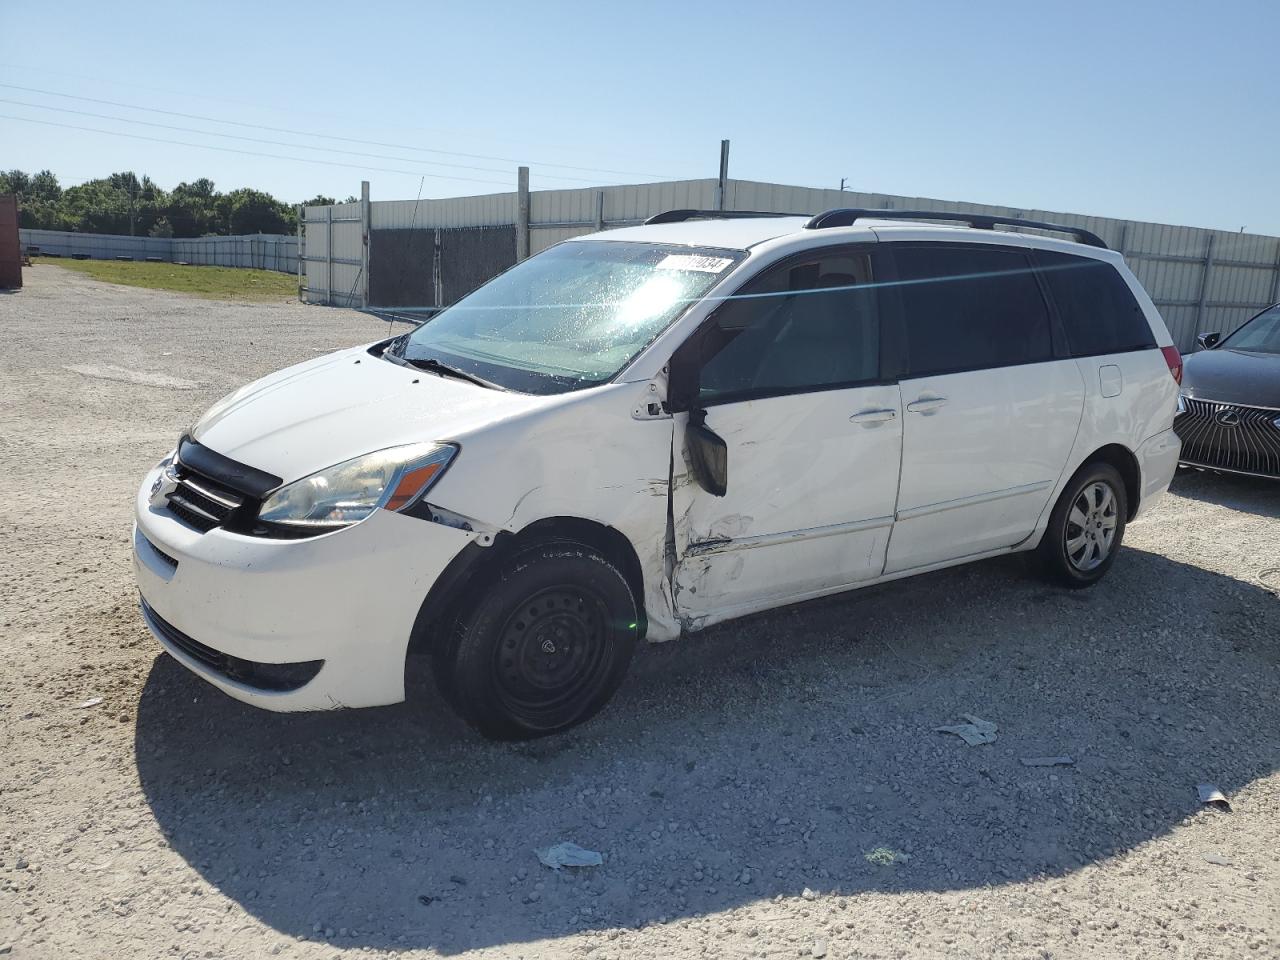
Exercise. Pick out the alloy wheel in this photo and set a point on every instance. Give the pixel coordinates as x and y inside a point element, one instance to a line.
<point>1091,526</point>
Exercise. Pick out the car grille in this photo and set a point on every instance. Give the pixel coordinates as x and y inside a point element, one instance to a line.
<point>1229,436</point>
<point>171,561</point>
<point>277,677</point>
<point>201,502</point>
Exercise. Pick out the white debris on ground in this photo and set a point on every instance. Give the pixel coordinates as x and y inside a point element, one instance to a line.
<point>568,854</point>
<point>974,731</point>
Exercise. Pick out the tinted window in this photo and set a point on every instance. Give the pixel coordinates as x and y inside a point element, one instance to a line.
<point>966,308</point>
<point>1098,310</point>
<point>800,326</point>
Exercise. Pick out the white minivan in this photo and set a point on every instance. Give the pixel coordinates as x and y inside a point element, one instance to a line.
<point>643,432</point>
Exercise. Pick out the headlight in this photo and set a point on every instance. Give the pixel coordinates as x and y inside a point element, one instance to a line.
<point>347,493</point>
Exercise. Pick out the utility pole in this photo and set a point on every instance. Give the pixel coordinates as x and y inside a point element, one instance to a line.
<point>723,184</point>
<point>843,181</point>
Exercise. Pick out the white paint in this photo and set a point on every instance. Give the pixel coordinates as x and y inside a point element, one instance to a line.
<point>810,493</point>
<point>990,454</point>
<point>1110,380</point>
<point>280,601</point>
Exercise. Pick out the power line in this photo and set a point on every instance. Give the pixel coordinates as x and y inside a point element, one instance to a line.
<point>331,136</point>
<point>279,143</point>
<point>249,153</point>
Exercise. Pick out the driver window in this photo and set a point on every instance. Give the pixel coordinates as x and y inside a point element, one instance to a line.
<point>803,326</point>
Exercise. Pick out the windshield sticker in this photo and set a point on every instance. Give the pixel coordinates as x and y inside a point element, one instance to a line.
<point>693,261</point>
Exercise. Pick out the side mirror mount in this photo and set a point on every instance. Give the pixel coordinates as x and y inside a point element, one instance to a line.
<point>682,381</point>
<point>1208,341</point>
<point>708,454</point>
<point>704,449</point>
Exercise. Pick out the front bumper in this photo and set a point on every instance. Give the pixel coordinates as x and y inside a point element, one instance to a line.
<point>348,598</point>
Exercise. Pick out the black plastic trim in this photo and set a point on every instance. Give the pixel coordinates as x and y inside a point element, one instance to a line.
<point>680,216</point>
<point>847,216</point>
<point>276,677</point>
<point>239,477</point>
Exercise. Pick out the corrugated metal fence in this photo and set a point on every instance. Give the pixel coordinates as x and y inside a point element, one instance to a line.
<point>1200,279</point>
<point>259,250</point>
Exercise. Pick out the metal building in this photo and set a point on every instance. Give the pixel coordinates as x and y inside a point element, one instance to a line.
<point>428,253</point>
<point>10,248</point>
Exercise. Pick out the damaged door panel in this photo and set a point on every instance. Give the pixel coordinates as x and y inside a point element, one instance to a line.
<point>786,380</point>
<point>808,506</point>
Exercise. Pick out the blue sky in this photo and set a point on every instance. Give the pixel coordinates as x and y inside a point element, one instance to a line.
<point>1156,111</point>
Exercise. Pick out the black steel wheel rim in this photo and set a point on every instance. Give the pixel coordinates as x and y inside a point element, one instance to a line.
<point>553,655</point>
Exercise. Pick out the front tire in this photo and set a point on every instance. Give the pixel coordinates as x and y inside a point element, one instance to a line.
<point>545,647</point>
<point>1086,527</point>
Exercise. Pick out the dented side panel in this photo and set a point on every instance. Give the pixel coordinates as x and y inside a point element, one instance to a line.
<point>586,455</point>
<point>809,505</point>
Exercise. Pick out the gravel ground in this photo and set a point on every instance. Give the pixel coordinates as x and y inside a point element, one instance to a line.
<point>772,788</point>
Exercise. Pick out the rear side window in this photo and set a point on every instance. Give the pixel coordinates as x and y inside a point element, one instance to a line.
<point>1098,310</point>
<point>801,326</point>
<point>970,308</point>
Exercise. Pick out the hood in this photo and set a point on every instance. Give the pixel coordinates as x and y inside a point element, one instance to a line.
<point>1233,376</point>
<point>344,405</point>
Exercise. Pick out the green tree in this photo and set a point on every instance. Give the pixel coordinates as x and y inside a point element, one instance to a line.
<point>97,206</point>
<point>125,203</point>
<point>252,211</point>
<point>15,181</point>
<point>193,208</point>
<point>39,199</point>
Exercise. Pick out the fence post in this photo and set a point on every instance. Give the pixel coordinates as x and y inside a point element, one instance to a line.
<point>328,256</point>
<point>1204,284</point>
<point>437,278</point>
<point>522,213</point>
<point>599,210</point>
<point>723,185</point>
<point>365,221</point>
<point>302,244</point>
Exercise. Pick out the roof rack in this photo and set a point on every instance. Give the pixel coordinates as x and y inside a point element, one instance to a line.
<point>679,216</point>
<point>845,216</point>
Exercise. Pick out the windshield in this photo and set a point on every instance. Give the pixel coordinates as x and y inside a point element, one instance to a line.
<point>1259,335</point>
<point>572,316</point>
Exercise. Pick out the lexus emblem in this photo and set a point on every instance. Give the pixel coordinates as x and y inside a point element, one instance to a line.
<point>1227,418</point>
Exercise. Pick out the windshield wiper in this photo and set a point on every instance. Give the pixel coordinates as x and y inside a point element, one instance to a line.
<point>440,369</point>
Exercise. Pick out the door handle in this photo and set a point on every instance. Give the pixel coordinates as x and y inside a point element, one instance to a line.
<point>873,416</point>
<point>927,405</point>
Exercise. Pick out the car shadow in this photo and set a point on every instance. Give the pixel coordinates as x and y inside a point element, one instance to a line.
<point>1256,495</point>
<point>797,749</point>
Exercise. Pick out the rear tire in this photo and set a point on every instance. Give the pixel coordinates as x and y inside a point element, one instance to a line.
<point>1086,527</point>
<point>544,647</point>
